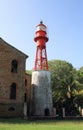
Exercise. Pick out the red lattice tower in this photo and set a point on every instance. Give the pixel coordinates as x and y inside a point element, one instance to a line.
<point>41,38</point>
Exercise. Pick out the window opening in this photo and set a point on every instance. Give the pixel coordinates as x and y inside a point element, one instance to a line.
<point>14,66</point>
<point>13,91</point>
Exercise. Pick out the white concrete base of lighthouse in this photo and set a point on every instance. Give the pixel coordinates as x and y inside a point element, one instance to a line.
<point>41,94</point>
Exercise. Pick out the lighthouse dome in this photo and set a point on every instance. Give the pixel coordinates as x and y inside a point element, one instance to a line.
<point>41,26</point>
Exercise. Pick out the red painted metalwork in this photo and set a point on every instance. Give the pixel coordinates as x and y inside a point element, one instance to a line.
<point>41,38</point>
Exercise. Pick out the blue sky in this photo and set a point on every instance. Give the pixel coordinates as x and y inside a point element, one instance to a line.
<point>64,19</point>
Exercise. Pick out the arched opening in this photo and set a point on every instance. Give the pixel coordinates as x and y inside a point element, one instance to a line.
<point>47,112</point>
<point>14,66</point>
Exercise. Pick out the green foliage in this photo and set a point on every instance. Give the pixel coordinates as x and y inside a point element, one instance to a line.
<point>79,99</point>
<point>62,79</point>
<point>80,75</point>
<point>29,71</point>
<point>67,82</point>
<point>79,83</point>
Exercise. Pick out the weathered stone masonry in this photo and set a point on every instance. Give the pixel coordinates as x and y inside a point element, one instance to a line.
<point>12,82</point>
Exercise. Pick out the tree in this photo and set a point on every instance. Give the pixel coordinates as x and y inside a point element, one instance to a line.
<point>79,94</point>
<point>29,71</point>
<point>80,75</point>
<point>63,84</point>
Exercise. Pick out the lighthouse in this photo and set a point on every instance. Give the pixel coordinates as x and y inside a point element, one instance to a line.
<point>41,95</point>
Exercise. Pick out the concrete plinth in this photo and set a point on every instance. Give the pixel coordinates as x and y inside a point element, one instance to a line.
<point>41,94</point>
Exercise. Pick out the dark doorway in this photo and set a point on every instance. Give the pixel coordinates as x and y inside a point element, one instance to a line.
<point>47,112</point>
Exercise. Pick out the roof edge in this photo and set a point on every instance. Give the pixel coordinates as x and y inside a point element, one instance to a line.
<point>14,48</point>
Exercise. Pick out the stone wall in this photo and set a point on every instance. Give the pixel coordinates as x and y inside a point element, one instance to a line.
<point>28,91</point>
<point>11,107</point>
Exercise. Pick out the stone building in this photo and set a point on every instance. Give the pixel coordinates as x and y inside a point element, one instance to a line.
<point>28,92</point>
<point>14,82</point>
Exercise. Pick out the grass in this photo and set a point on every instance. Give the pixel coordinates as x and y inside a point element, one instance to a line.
<point>20,124</point>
